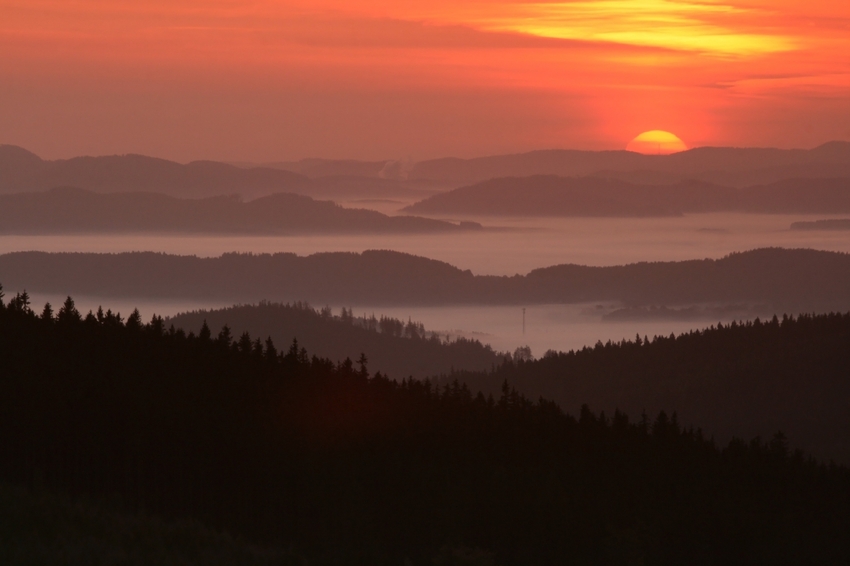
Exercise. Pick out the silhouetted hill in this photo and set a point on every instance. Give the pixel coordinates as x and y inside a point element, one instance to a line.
<point>22,171</point>
<point>395,348</point>
<point>832,224</point>
<point>69,210</point>
<point>745,379</point>
<point>780,280</point>
<point>724,165</point>
<point>549,195</point>
<point>341,466</point>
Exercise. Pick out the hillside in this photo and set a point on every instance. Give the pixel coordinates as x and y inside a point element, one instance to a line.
<point>396,348</point>
<point>340,466</point>
<point>750,379</point>
<point>48,529</point>
<point>779,280</point>
<point>68,210</point>
<point>542,195</point>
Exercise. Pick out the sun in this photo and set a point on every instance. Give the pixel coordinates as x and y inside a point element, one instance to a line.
<point>656,142</point>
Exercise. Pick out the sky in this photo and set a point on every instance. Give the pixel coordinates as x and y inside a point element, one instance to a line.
<point>266,80</point>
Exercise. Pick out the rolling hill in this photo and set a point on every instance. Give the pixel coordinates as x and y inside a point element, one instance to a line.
<point>69,210</point>
<point>549,195</point>
<point>780,280</point>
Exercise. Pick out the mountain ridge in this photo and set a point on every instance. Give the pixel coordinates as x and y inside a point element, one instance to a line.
<point>781,280</point>
<point>551,195</point>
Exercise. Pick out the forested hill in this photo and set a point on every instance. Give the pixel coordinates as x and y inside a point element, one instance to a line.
<point>69,210</point>
<point>396,348</point>
<point>781,280</point>
<point>747,379</point>
<point>338,466</point>
<point>547,195</point>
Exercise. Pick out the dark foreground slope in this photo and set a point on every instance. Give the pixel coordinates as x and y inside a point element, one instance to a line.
<point>543,195</point>
<point>41,528</point>
<point>779,280</point>
<point>69,210</point>
<point>396,348</point>
<point>831,224</point>
<point>347,468</point>
<point>751,379</point>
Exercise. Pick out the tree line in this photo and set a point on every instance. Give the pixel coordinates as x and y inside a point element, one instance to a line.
<point>752,378</point>
<point>342,466</point>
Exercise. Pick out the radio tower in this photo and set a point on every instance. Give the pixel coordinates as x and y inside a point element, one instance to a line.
<point>523,321</point>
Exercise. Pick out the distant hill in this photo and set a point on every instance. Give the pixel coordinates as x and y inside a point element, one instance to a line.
<point>69,210</point>
<point>550,195</point>
<point>779,280</point>
<point>24,171</point>
<point>723,165</point>
<point>833,224</point>
<point>745,379</point>
<point>21,171</point>
<point>394,347</point>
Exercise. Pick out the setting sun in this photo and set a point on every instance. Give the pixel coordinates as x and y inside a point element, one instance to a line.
<point>656,142</point>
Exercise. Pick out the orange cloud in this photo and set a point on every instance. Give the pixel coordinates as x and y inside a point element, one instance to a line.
<point>271,80</point>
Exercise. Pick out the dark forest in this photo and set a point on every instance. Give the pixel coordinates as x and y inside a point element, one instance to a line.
<point>336,465</point>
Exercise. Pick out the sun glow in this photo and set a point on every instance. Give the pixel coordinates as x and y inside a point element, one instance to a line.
<point>656,142</point>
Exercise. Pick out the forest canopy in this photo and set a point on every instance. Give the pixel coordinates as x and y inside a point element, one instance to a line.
<point>341,466</point>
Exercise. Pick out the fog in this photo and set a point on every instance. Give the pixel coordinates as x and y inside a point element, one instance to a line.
<point>513,245</point>
<point>518,246</point>
<point>547,327</point>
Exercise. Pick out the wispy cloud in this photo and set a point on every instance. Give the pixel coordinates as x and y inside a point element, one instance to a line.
<point>706,27</point>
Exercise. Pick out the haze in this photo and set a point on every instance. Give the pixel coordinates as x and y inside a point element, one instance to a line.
<point>271,81</point>
<point>497,283</point>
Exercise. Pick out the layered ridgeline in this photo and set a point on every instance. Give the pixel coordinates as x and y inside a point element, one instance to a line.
<point>396,348</point>
<point>729,166</point>
<point>774,280</point>
<point>543,195</point>
<point>830,224</point>
<point>338,466</point>
<point>751,379</point>
<point>69,210</point>
<point>23,171</point>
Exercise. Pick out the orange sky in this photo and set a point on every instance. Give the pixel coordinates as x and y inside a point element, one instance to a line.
<point>270,80</point>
